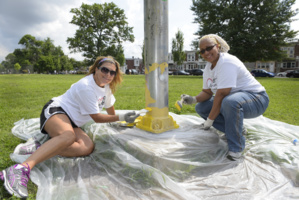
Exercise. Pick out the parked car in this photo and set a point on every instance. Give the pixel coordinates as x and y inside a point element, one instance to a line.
<point>261,73</point>
<point>196,72</point>
<point>131,71</point>
<point>293,74</point>
<point>283,74</point>
<point>180,72</point>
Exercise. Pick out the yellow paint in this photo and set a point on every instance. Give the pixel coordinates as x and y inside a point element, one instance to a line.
<point>154,66</point>
<point>145,70</point>
<point>148,98</point>
<point>163,66</point>
<point>157,121</point>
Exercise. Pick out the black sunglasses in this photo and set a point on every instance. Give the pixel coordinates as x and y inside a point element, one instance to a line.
<point>207,49</point>
<point>105,70</point>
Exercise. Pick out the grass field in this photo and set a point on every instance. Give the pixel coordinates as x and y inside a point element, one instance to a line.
<point>23,96</point>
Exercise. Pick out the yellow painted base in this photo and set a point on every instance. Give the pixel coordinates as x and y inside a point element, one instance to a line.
<point>156,124</point>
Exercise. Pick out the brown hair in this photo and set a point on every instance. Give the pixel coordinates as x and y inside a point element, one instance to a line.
<point>117,78</point>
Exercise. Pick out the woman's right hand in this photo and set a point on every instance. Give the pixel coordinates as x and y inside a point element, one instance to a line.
<point>129,117</point>
<point>187,99</point>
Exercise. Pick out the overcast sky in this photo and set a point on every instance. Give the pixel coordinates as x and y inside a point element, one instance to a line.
<point>50,18</point>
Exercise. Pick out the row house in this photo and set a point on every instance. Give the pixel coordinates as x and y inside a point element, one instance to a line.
<point>192,61</point>
<point>134,63</point>
<point>290,63</point>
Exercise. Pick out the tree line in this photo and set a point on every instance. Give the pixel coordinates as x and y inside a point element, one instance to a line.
<point>102,28</point>
<point>254,29</point>
<point>40,56</point>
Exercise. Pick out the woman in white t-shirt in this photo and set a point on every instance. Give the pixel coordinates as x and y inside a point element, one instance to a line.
<point>230,94</point>
<point>61,118</point>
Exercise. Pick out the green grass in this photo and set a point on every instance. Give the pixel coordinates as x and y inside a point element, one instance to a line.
<point>23,96</point>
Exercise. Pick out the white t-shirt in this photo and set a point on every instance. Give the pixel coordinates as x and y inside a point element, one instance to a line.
<point>83,98</point>
<point>229,72</point>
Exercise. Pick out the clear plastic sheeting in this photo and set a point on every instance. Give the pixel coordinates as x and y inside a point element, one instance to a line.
<point>184,163</point>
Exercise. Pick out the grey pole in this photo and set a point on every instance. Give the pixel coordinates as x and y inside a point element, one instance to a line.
<point>156,67</point>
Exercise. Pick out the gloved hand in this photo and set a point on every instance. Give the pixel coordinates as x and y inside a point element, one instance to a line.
<point>129,117</point>
<point>187,99</point>
<point>207,124</point>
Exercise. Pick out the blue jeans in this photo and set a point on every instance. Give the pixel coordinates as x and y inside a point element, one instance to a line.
<point>234,108</point>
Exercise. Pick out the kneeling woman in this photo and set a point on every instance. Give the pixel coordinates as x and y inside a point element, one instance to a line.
<point>230,94</point>
<point>62,116</point>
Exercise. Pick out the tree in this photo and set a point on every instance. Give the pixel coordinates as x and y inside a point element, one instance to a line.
<point>254,29</point>
<point>10,61</point>
<point>31,50</point>
<point>2,69</point>
<point>117,52</point>
<point>17,67</point>
<point>100,26</point>
<point>37,55</point>
<point>177,48</point>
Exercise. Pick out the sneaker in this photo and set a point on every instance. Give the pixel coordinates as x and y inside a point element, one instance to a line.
<point>27,148</point>
<point>15,180</point>
<point>234,156</point>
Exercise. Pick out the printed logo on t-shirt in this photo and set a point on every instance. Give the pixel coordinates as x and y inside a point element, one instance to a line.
<point>101,102</point>
<point>209,82</point>
<point>212,84</point>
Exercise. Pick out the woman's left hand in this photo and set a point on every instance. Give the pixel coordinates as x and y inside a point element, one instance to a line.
<point>207,124</point>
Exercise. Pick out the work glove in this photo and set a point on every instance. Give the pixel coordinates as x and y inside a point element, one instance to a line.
<point>129,117</point>
<point>187,99</point>
<point>207,124</point>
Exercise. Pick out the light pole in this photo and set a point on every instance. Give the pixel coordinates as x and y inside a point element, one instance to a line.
<point>158,119</point>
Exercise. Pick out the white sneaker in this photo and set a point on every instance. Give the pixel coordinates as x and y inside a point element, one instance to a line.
<point>234,155</point>
<point>27,148</point>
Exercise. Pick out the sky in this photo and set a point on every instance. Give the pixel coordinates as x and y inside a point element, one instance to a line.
<point>50,18</point>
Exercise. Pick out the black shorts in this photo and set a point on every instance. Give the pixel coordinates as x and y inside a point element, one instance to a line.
<point>50,110</point>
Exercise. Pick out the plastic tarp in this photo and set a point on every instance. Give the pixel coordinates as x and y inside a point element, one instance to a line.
<point>185,163</point>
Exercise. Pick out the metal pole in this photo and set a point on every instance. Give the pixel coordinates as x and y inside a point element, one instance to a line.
<point>156,67</point>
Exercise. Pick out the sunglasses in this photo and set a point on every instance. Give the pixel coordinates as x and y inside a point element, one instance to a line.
<point>207,49</point>
<point>105,70</point>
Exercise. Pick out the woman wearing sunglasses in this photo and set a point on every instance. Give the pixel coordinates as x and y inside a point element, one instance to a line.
<point>63,115</point>
<point>230,93</point>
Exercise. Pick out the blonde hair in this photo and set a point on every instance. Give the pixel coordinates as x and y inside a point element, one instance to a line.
<point>223,46</point>
<point>117,78</point>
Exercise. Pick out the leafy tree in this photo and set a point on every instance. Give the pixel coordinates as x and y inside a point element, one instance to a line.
<point>48,48</point>
<point>100,28</point>
<point>178,48</point>
<point>118,52</point>
<point>65,63</point>
<point>31,50</point>
<point>76,64</point>
<point>37,55</point>
<point>45,64</point>
<point>17,67</point>
<point>2,68</point>
<point>254,29</point>
<point>10,61</point>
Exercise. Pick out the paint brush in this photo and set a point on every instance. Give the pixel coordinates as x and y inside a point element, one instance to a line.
<point>144,111</point>
<point>179,104</point>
